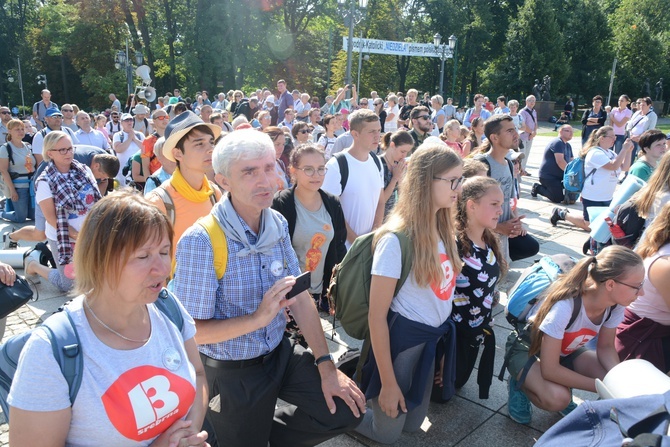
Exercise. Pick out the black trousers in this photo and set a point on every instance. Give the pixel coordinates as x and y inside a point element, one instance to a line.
<point>551,189</point>
<point>522,247</point>
<point>248,397</point>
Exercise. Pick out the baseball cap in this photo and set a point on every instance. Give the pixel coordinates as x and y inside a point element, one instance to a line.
<point>126,116</point>
<point>52,111</point>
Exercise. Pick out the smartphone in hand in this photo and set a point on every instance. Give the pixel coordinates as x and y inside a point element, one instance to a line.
<point>302,283</point>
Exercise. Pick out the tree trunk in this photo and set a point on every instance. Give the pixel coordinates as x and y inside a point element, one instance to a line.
<point>171,37</point>
<point>66,92</point>
<point>144,30</point>
<point>402,63</point>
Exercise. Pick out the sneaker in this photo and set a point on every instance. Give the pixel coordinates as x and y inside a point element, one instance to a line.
<point>518,405</point>
<point>533,190</point>
<point>46,257</point>
<point>28,258</point>
<point>557,214</point>
<point>7,242</point>
<point>567,410</point>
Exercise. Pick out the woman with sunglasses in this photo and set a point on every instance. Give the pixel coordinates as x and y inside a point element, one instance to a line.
<point>300,133</point>
<point>17,166</point>
<point>644,332</point>
<point>65,192</point>
<point>315,219</point>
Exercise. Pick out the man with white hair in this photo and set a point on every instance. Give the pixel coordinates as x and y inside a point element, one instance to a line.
<point>240,314</point>
<point>221,103</point>
<point>88,135</point>
<point>40,108</point>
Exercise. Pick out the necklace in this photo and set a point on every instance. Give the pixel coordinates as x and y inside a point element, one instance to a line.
<point>109,328</point>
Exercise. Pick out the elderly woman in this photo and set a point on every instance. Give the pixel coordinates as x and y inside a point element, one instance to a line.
<point>142,381</point>
<point>65,192</point>
<point>17,166</point>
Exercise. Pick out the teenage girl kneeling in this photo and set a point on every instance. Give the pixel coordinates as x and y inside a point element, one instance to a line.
<point>404,329</point>
<point>556,359</point>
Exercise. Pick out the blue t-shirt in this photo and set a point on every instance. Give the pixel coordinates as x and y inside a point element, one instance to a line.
<point>549,169</point>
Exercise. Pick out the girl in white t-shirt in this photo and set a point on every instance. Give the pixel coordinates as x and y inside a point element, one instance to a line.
<point>405,328</point>
<point>602,166</point>
<point>557,359</point>
<point>392,113</point>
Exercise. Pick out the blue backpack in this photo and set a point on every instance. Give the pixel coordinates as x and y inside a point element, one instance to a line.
<point>66,347</point>
<point>531,285</point>
<point>574,175</point>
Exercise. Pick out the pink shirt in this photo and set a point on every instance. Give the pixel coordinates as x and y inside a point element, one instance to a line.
<point>618,115</point>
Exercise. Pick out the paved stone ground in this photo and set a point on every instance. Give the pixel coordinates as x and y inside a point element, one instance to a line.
<point>464,421</point>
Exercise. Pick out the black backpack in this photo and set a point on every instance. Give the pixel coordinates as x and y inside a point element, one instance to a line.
<point>630,224</point>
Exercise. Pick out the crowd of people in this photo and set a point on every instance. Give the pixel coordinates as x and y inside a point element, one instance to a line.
<point>234,198</point>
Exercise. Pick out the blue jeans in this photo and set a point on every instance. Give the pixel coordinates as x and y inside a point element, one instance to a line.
<point>23,208</point>
<point>618,143</point>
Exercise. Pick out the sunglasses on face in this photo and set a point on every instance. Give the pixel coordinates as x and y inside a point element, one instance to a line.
<point>303,131</point>
<point>161,118</point>
<point>426,117</point>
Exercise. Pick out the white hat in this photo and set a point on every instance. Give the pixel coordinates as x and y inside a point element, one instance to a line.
<point>141,109</point>
<point>270,99</point>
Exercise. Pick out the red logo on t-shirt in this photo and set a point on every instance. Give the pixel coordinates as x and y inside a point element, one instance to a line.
<point>143,402</point>
<point>445,289</point>
<point>575,340</point>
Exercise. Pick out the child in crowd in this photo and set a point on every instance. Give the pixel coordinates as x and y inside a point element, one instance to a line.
<point>405,329</point>
<point>451,134</point>
<point>479,208</point>
<point>474,168</point>
<point>545,366</point>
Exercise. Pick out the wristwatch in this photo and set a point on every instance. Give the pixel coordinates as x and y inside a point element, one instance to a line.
<point>324,358</point>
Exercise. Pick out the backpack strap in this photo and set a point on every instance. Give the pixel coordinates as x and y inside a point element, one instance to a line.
<point>344,169</point>
<point>407,254</point>
<point>66,349</point>
<point>168,202</point>
<point>167,303</point>
<point>219,243</point>
<point>483,159</point>
<point>10,152</point>
<point>576,308</point>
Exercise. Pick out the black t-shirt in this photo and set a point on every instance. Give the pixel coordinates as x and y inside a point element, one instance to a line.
<point>475,290</point>
<point>406,110</point>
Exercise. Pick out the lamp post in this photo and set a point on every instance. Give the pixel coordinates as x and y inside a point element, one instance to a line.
<point>122,61</point>
<point>444,52</point>
<point>453,44</point>
<point>14,73</point>
<point>352,14</point>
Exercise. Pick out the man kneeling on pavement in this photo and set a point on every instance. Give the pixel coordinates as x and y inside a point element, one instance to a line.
<point>240,317</point>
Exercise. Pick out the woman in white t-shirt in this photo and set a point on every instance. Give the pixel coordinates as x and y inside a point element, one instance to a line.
<point>405,325</point>
<point>327,140</point>
<point>555,359</point>
<point>65,192</point>
<point>392,113</point>
<point>142,381</point>
<point>602,167</point>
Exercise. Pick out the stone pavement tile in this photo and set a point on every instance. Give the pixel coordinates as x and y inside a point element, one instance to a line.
<point>497,393</point>
<point>341,441</point>
<point>501,431</point>
<point>446,425</point>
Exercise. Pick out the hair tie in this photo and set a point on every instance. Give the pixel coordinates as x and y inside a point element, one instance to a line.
<point>594,260</point>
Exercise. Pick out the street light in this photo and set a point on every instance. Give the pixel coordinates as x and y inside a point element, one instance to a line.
<point>444,52</point>
<point>122,61</point>
<point>352,16</point>
<point>453,44</point>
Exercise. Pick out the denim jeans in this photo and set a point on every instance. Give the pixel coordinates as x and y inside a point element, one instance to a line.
<point>23,208</point>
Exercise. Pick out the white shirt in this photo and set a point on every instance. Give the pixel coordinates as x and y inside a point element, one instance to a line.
<point>600,186</point>
<point>361,194</point>
<point>92,138</point>
<point>125,156</point>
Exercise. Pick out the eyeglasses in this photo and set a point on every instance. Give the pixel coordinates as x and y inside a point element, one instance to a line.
<point>426,117</point>
<point>162,118</point>
<point>4,113</point>
<point>304,131</point>
<point>636,288</point>
<point>66,110</point>
<point>455,182</point>
<point>310,171</point>
<point>63,151</point>
<point>364,103</point>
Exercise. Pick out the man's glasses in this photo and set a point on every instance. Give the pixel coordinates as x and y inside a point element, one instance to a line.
<point>66,110</point>
<point>63,151</point>
<point>636,288</point>
<point>426,117</point>
<point>310,171</point>
<point>455,182</point>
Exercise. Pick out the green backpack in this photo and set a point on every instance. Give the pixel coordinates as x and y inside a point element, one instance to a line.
<point>349,290</point>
